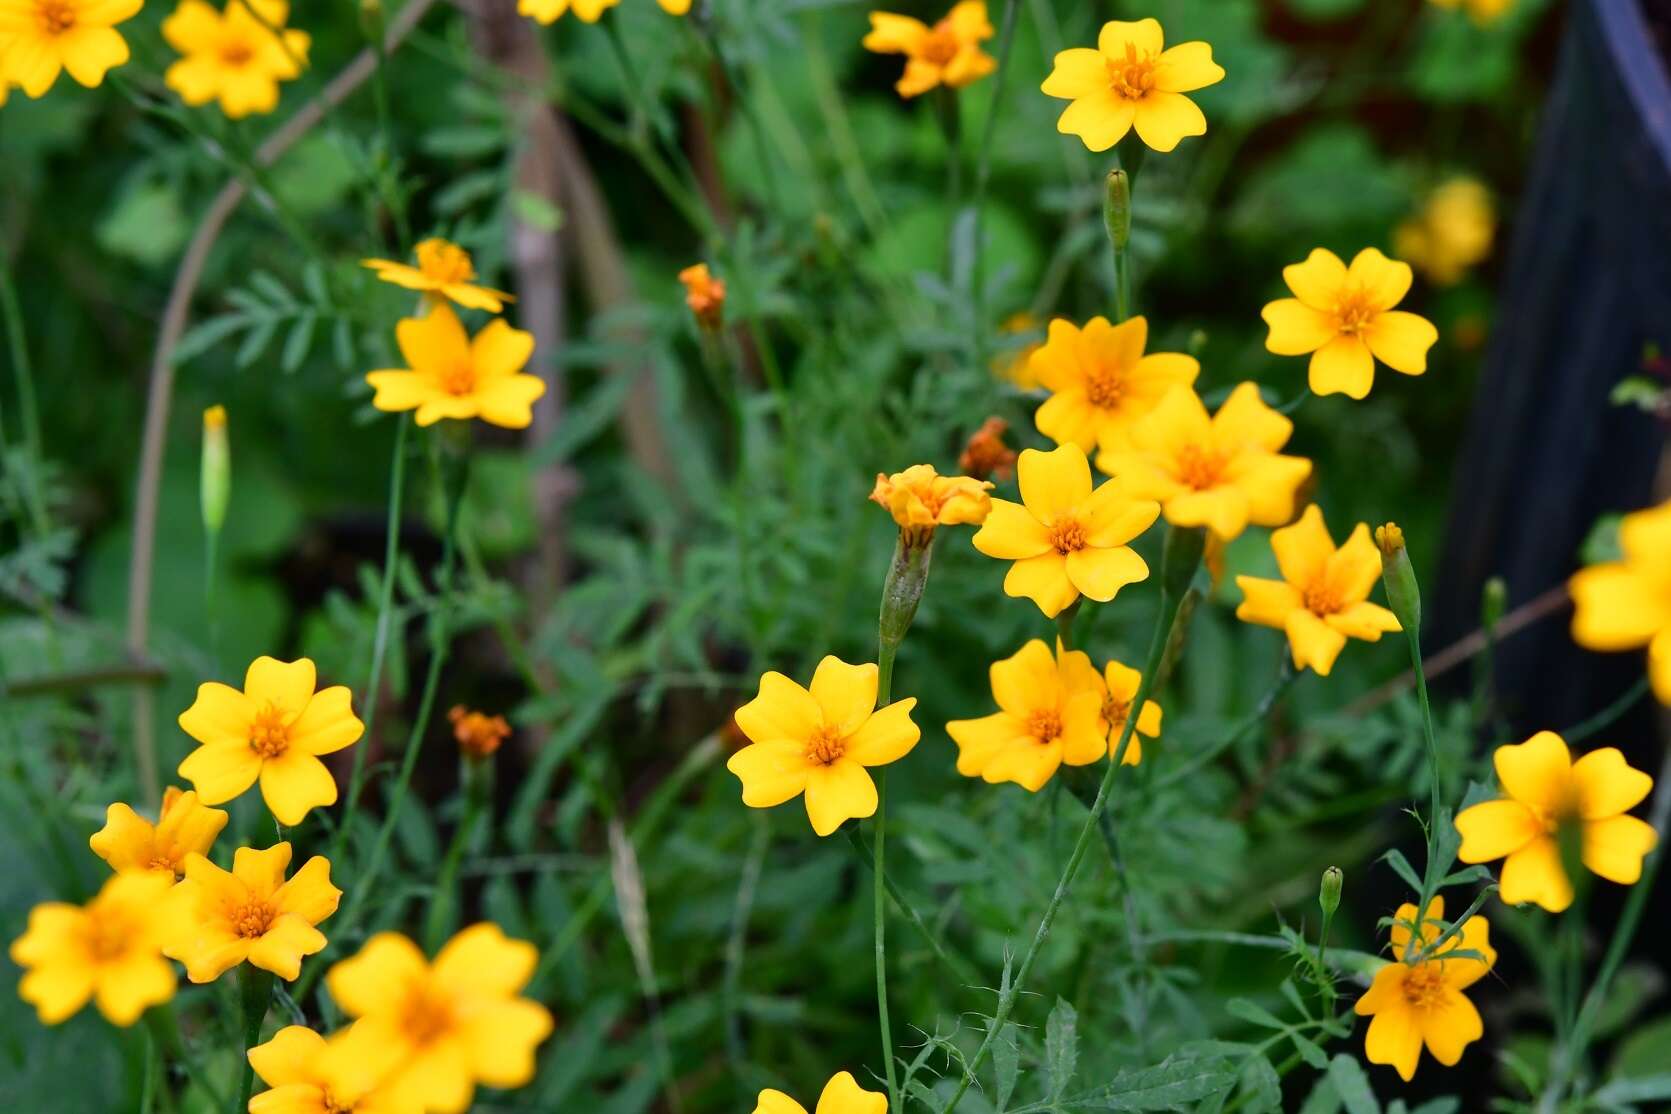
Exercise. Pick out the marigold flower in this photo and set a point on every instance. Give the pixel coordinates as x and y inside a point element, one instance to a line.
<point>550,11</point>
<point>1623,604</point>
<point>841,1095</point>
<point>1016,365</point>
<point>1344,317</point>
<point>444,270</point>
<point>920,499</point>
<point>1049,712</point>
<point>109,950</point>
<point>233,56</point>
<point>452,376</point>
<point>455,1023</point>
<point>1129,82</point>
<point>39,38</point>
<point>1100,381</point>
<point>1222,472</point>
<point>250,913</point>
<point>1422,1003</point>
<point>1451,233</point>
<point>1119,685</point>
<point>675,7</point>
<point>128,841</point>
<point>477,733</point>
<point>1323,596</point>
<point>985,454</point>
<point>1546,790</point>
<point>274,730</point>
<point>311,1074</point>
<point>705,295</point>
<point>949,53</point>
<point>1482,12</point>
<point>1065,538</point>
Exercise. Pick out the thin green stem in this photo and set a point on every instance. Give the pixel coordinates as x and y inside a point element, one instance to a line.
<point>255,992</point>
<point>736,941</point>
<point>23,372</point>
<point>165,1027</point>
<point>878,889</point>
<point>983,173</point>
<point>478,781</point>
<point>1064,624</point>
<point>955,965</point>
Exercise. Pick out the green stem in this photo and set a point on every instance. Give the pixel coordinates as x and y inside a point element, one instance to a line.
<point>955,965</point>
<point>255,992</point>
<point>478,780</point>
<point>1434,872</point>
<point>983,172</point>
<point>884,695</point>
<point>1286,675</point>
<point>1064,623</point>
<point>1605,718</point>
<point>23,371</point>
<point>737,940</point>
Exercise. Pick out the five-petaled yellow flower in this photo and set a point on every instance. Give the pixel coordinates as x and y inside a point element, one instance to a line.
<point>444,270</point>
<point>273,731</point>
<point>841,1095</point>
<point>1451,233</point>
<point>1119,685</point>
<point>40,38</point>
<point>948,53</point>
<point>920,499</point>
<point>1323,596</point>
<point>310,1074</point>
<point>1223,472</point>
<point>232,56</point>
<point>186,825</point>
<point>1049,712</point>
<point>1624,604</point>
<point>1100,381</point>
<point>453,1024</point>
<point>251,913</point>
<point>1344,317</point>
<point>1065,539</point>
<point>818,741</point>
<point>1422,1003</point>
<point>1130,82</point>
<point>1545,790</point>
<point>109,950</point>
<point>550,11</point>
<point>452,376</point>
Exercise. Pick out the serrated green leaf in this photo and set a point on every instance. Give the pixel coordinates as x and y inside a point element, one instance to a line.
<point>1254,1014</point>
<point>1061,1046</point>
<point>1352,1084</point>
<point>296,345</point>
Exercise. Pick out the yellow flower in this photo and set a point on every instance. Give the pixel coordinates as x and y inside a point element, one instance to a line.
<point>1419,1003</point>
<point>250,913</point>
<point>444,270</point>
<point>1624,604</point>
<point>310,1074</point>
<point>1323,596</point>
<point>1065,538</point>
<point>231,56</point>
<point>1452,232</point>
<point>842,1095</point>
<point>549,11</point>
<point>273,731</point>
<point>1222,472</point>
<point>1345,318</point>
<point>109,950</point>
<point>1100,381</point>
<point>453,376</point>
<point>819,741</point>
<point>1016,365</point>
<point>949,53</point>
<point>1545,790</point>
<point>1482,12</point>
<point>128,841</point>
<point>704,294</point>
<point>38,38</point>
<point>1119,684</point>
<point>674,7</point>
<point>1129,82</point>
<point>452,1025</point>
<point>1049,712</point>
<point>920,499</point>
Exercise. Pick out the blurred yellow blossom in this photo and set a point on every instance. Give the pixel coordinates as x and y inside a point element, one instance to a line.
<point>1120,683</point>
<point>1451,233</point>
<point>40,38</point>
<point>948,53</point>
<point>1482,12</point>
<point>1100,381</point>
<point>1129,81</point>
<point>444,270</point>
<point>1016,364</point>
<point>451,375</point>
<point>1623,604</point>
<point>237,56</point>
<point>128,841</point>
<point>841,1095</point>
<point>109,950</point>
<point>311,1074</point>
<point>1049,712</point>
<point>250,913</point>
<point>549,11</point>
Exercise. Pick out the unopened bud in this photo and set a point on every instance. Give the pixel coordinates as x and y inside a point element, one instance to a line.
<point>903,590</point>
<point>1494,601</point>
<point>215,489</point>
<point>1403,594</point>
<point>1116,208</point>
<point>1328,894</point>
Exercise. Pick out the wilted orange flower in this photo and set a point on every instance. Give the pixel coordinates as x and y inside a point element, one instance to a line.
<point>40,38</point>
<point>1623,604</point>
<point>250,913</point>
<point>1129,82</point>
<point>920,499</point>
<point>1422,1003</point>
<point>444,270</point>
<point>477,733</point>
<point>232,56</point>
<point>1100,381</point>
<point>985,455</point>
<point>452,375</point>
<point>948,53</point>
<point>128,841</point>
<point>704,294</point>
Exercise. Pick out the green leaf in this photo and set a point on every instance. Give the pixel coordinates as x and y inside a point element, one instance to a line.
<point>1352,1084</point>
<point>146,225</point>
<point>1635,1090</point>
<point>1601,545</point>
<point>296,345</point>
<point>1168,1084</point>
<point>255,343</point>
<point>1061,1046</point>
<point>1401,866</point>
<point>1254,1013</point>
<point>1260,1086</point>
<point>1006,1066</point>
<point>207,335</point>
<point>1310,1051</point>
<point>1645,1052</point>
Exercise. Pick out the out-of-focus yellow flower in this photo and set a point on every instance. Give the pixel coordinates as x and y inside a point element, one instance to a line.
<point>309,1074</point>
<point>1049,712</point>
<point>1482,12</point>
<point>675,7</point>
<point>1546,790</point>
<point>1129,82</point>
<point>1422,1003</point>
<point>985,453</point>
<point>250,913</point>
<point>1100,381</point>
<point>705,295</point>
<point>128,841</point>
<point>1065,538</point>
<point>1323,596</point>
<point>1624,604</point>
<point>1452,232</point>
<point>949,53</point>
<point>1222,472</point>
<point>444,270</point>
<point>550,11</point>
<point>1120,683</point>
<point>231,56</point>
<point>109,950</point>
<point>1016,365</point>
<point>274,730</point>
<point>920,499</point>
<point>1344,317</point>
<point>818,741</point>
<point>477,733</point>
<point>40,38</point>
<point>841,1095</point>
<point>454,1024</point>
<point>450,375</point>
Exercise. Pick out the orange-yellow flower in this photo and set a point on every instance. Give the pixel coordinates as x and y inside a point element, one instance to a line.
<point>1065,538</point>
<point>1049,712</point>
<point>1344,317</point>
<point>1422,1003</point>
<point>274,730</point>
<point>704,294</point>
<point>948,53</point>
<point>311,1074</point>
<point>1100,381</point>
<point>841,1095</point>
<point>1222,472</point>
<point>1451,233</point>
<point>444,270</point>
<point>453,376</point>
<point>232,56</point>
<point>1546,790</point>
<point>818,741</point>
<point>1129,81</point>
<point>1119,686</point>
<point>128,841</point>
<point>920,499</point>
<point>1624,604</point>
<point>549,11</point>
<point>250,913</point>
<point>40,38</point>
<point>477,733</point>
<point>1323,596</point>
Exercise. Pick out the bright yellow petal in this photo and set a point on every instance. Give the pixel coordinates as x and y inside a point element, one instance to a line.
<point>1314,643</point>
<point>1386,991</point>
<point>509,402</point>
<point>1267,602</point>
<point>1245,420</point>
<point>1616,607</point>
<point>1112,518</point>
<point>125,841</point>
<point>364,984</point>
<point>1450,1025</point>
<point>481,959</point>
<point>1187,67</point>
<point>1143,35</point>
<point>288,1057</point>
<point>295,783</point>
<point>845,693</point>
<point>979,740</point>
<point>836,793</point>
<point>1028,764</point>
<point>1608,785</point>
<point>220,714</point>
<point>309,893</point>
<point>843,1095</point>
<point>500,351</point>
<point>1536,772</point>
<point>1303,550</point>
<point>776,1102</point>
<point>1076,73</point>
<point>1223,510</point>
<point>1318,281</point>
<point>1044,580</point>
<point>1099,120</point>
<point>1659,665</point>
<point>1614,847</point>
<point>399,391</point>
<point>886,736</point>
<point>328,723</point>
<point>287,685</point>
<point>1494,829</point>
<point>1055,482</point>
<point>1401,340</point>
<point>1163,120</point>
<point>57,990</point>
<point>894,34</point>
<point>1269,483</point>
<point>281,948</point>
<point>435,341</point>
<point>1027,680</point>
<point>1067,417</point>
<point>126,989</point>
<point>772,771</point>
<point>1010,533</point>
<point>221,771</point>
<point>192,27</point>
<point>1394,1038</point>
<point>88,53</point>
<point>500,1040</point>
<point>1368,621</point>
<point>1382,281</point>
<point>1534,874</point>
<point>1343,366</point>
<point>782,710</point>
<point>1100,573</point>
<point>1296,328</point>
<point>1355,568</point>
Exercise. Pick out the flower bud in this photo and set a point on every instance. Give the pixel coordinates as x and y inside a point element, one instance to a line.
<point>1493,602</point>
<point>705,295</point>
<point>215,479</point>
<point>1116,208</point>
<point>903,590</point>
<point>1328,894</point>
<point>478,735</point>
<point>1403,594</point>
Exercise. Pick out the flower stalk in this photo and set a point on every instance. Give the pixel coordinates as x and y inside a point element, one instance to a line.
<point>255,992</point>
<point>1116,219</point>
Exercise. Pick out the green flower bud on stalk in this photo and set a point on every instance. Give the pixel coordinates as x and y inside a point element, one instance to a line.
<point>1116,208</point>
<point>903,589</point>
<point>1328,894</point>
<point>215,488</point>
<point>1403,594</point>
<point>1493,602</point>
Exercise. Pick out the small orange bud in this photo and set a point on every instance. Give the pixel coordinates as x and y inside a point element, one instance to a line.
<point>986,456</point>
<point>478,734</point>
<point>705,295</point>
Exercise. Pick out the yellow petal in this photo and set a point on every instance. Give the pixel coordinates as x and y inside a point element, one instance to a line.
<point>192,27</point>
<point>1317,281</point>
<point>1304,549</point>
<point>1223,510</point>
<point>1475,937</point>
<point>1267,602</point>
<point>1245,421</point>
<point>1368,621</point>
<point>886,736</point>
<point>1296,328</point>
<point>1143,35</point>
<point>471,296</point>
<point>1394,1038</point>
<point>1076,73</point>
<point>1067,417</point>
<point>481,959</point>
<point>509,402</point>
<point>920,76</point>
<point>1534,874</point>
<point>1383,281</point>
<point>1011,533</point>
<point>979,740</point>
<point>309,893</point>
<point>220,714</point>
<point>1113,518</point>
<point>843,1095</point>
<point>1401,340</point>
<point>288,1057</point>
<point>968,21</point>
<point>776,1102</point>
<point>1536,772</point>
<point>1355,567</point>
<point>1053,483</point>
<point>1616,607</point>
<point>399,391</point>
<point>436,1079</point>
<point>1614,847</point>
<point>125,841</point>
<point>1099,120</point>
<point>1450,1025</point>
<point>365,983</point>
<point>1494,829</point>
<point>328,723</point>
<point>1400,932</point>
<point>287,685</point>
<point>836,793</point>
<point>782,710</point>
<point>221,771</point>
<point>1029,764</point>
<point>1314,643</point>
<point>1027,680</point>
<point>1645,536</point>
<point>1084,737</point>
<point>1269,483</point>
<point>1044,580</point>
<point>1386,991</point>
<point>894,34</point>
<point>88,53</point>
<point>280,949</point>
<point>260,870</point>
<point>1101,573</point>
<point>1343,366</point>
<point>1659,665</point>
<point>126,989</point>
<point>845,693</point>
<point>295,783</point>
<point>772,771</point>
<point>500,1039</point>
<point>1608,785</point>
<point>968,65</point>
<point>1187,67</point>
<point>57,990</point>
<point>434,341</point>
<point>500,351</point>
<point>1163,120</point>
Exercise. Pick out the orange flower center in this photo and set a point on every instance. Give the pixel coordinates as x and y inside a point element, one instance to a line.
<point>444,262</point>
<point>1424,985</point>
<point>251,920</point>
<point>1067,535</point>
<point>110,935</point>
<point>57,16</point>
<point>1199,468</point>
<point>1115,712</point>
<point>941,45</point>
<point>429,1016</point>
<point>1132,77</point>
<point>237,55</point>
<point>1354,312</point>
<point>459,378</point>
<point>330,1104</point>
<point>162,862</point>
<point>1321,598</point>
<point>825,746</point>
<point>1104,387</point>
<point>1046,725</point>
<point>269,734</point>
